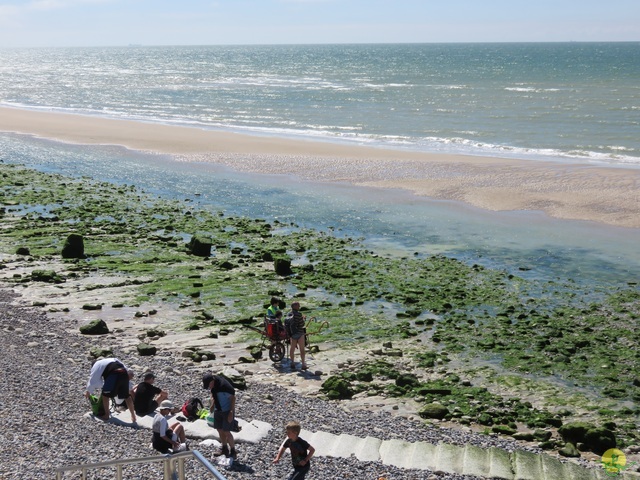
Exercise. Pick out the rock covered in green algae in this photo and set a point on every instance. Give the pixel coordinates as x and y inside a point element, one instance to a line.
<point>594,438</point>
<point>599,440</point>
<point>48,276</point>
<point>73,247</point>
<point>282,266</point>
<point>145,350</point>
<point>503,429</point>
<point>200,245</point>
<point>95,327</point>
<point>433,410</point>
<point>236,379</point>
<point>336,387</point>
<point>98,352</point>
<point>569,450</point>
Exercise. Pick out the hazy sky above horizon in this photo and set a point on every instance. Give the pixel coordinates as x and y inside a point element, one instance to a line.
<point>211,22</point>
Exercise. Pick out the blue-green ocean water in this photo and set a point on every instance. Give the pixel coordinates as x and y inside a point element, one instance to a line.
<point>531,245</point>
<point>569,102</point>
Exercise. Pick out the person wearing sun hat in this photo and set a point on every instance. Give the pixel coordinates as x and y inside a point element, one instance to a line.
<point>167,437</point>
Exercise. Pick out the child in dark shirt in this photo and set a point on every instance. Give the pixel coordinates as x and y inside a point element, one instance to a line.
<point>301,451</point>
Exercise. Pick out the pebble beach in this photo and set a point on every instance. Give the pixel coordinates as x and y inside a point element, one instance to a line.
<point>517,226</point>
<point>43,413</point>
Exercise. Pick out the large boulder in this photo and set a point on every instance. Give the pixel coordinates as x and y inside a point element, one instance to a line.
<point>96,327</point>
<point>433,410</point>
<point>236,379</point>
<point>337,388</point>
<point>146,350</point>
<point>282,266</point>
<point>599,440</point>
<point>574,432</point>
<point>73,247</point>
<point>596,439</point>
<point>48,276</point>
<point>200,246</point>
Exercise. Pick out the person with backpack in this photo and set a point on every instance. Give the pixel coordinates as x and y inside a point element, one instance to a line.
<point>110,375</point>
<point>223,406</point>
<point>297,332</point>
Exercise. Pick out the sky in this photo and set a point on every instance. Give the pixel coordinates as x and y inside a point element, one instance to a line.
<point>232,22</point>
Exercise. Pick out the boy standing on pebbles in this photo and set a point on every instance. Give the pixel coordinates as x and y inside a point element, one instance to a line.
<point>301,451</point>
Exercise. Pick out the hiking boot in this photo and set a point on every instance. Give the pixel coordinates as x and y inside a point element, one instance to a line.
<point>223,451</point>
<point>233,453</point>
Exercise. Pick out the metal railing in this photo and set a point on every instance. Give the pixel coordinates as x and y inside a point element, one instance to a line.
<point>173,466</point>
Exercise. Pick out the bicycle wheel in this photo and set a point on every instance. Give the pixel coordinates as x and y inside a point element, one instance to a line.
<point>276,352</point>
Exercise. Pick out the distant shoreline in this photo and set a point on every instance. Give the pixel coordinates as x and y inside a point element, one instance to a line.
<point>606,195</point>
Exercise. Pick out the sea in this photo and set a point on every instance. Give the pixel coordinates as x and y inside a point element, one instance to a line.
<point>564,102</point>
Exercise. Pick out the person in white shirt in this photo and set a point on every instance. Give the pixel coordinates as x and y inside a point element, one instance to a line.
<point>165,437</point>
<point>112,377</point>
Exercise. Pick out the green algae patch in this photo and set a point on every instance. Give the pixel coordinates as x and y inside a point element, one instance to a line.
<point>48,276</point>
<point>199,260</point>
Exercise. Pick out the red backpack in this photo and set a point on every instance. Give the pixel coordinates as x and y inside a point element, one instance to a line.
<point>191,407</point>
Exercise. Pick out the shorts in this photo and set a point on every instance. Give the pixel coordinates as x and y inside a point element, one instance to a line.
<point>220,421</point>
<point>116,384</point>
<point>151,407</point>
<point>297,336</point>
<point>160,444</point>
<point>299,473</point>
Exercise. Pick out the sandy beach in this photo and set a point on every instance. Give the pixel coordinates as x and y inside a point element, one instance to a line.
<point>140,282</point>
<point>570,191</point>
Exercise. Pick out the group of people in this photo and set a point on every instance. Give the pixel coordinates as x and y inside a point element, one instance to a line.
<point>296,329</point>
<point>223,403</point>
<point>113,378</point>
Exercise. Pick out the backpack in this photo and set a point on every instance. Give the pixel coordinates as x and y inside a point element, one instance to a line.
<point>191,407</point>
<point>97,407</point>
<point>288,324</point>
